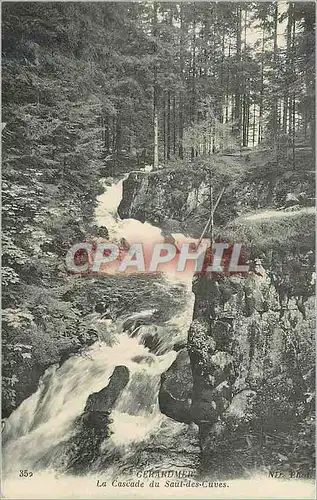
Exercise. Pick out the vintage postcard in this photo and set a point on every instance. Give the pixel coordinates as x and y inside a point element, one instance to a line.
<point>158,268</point>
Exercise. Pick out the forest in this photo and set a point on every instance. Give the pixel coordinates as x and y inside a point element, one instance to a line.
<point>96,90</point>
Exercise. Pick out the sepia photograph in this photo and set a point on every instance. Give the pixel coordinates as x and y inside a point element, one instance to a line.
<point>158,250</point>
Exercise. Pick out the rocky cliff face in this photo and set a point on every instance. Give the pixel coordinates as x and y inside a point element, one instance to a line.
<point>176,389</point>
<point>163,200</point>
<point>247,376</point>
<point>177,198</point>
<point>247,334</point>
<point>249,343</point>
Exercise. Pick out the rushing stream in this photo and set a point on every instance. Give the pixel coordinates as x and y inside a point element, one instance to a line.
<point>142,438</point>
<point>35,432</point>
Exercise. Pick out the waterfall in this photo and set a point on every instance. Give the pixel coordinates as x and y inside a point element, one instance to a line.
<point>35,433</point>
<point>132,230</point>
<point>135,231</point>
<point>44,420</point>
<point>37,429</point>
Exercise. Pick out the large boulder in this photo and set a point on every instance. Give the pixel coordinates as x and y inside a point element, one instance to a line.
<point>99,404</point>
<point>83,448</point>
<point>176,389</point>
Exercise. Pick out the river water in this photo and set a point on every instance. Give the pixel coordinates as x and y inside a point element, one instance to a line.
<point>36,430</point>
<point>142,439</point>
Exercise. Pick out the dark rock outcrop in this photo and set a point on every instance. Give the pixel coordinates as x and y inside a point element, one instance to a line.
<point>92,428</point>
<point>134,193</point>
<point>237,340</point>
<point>163,198</point>
<point>249,336</point>
<point>249,332</point>
<point>99,404</point>
<point>176,197</point>
<point>176,389</point>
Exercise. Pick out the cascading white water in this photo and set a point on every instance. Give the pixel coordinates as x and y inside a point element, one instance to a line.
<point>35,431</point>
<point>135,231</point>
<point>132,230</point>
<point>44,420</point>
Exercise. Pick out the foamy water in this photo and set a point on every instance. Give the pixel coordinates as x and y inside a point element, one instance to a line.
<point>44,420</point>
<point>130,229</point>
<point>135,231</point>
<point>36,431</point>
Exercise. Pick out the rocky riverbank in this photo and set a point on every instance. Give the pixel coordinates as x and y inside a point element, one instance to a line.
<point>246,375</point>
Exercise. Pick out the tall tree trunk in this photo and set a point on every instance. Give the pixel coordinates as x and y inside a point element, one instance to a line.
<point>113,134</point>
<point>254,125</point>
<point>246,118</point>
<point>260,133</point>
<point>293,96</point>
<point>168,131</point>
<point>245,114</point>
<point>287,114</point>
<point>164,127</point>
<point>174,125</point>
<point>222,77</point>
<point>193,89</point>
<point>227,86</point>
<point>118,133</point>
<point>244,121</point>
<point>275,102</point>
<point>155,92</point>
<point>285,109</point>
<point>102,128</point>
<point>107,135</point>
<point>238,83</point>
<point>181,58</point>
<point>293,130</point>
